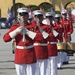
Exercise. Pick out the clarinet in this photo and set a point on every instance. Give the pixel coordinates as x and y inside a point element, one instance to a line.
<point>23,32</point>
<point>38,24</point>
<point>45,34</point>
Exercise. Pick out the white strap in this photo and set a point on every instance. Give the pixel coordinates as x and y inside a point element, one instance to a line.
<point>56,43</point>
<point>24,47</point>
<point>52,42</point>
<point>40,44</point>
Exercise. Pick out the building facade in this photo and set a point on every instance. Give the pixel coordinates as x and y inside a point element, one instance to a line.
<point>5,4</point>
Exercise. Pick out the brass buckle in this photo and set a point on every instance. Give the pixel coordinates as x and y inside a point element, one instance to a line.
<point>25,47</point>
<point>39,44</point>
<point>48,42</point>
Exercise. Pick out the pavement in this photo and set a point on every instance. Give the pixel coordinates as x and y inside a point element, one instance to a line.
<point>7,58</point>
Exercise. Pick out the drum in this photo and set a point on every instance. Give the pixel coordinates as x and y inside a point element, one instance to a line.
<point>13,46</point>
<point>61,46</point>
<point>70,48</point>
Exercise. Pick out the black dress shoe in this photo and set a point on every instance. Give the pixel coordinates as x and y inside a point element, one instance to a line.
<point>66,62</point>
<point>59,68</point>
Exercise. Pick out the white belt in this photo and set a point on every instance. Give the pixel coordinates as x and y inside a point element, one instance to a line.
<point>52,42</point>
<point>56,43</point>
<point>24,47</point>
<point>40,44</point>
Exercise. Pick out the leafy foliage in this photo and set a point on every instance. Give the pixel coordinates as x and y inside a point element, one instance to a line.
<point>45,6</point>
<point>33,7</point>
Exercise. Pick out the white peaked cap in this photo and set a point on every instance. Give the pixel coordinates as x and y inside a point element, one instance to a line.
<point>20,10</point>
<point>64,12</point>
<point>38,12</point>
<point>30,15</point>
<point>73,12</point>
<point>49,14</point>
<point>45,21</point>
<point>57,15</point>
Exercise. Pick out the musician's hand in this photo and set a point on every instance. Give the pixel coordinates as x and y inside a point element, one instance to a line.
<point>25,30</point>
<point>31,34</point>
<point>19,29</point>
<point>15,32</point>
<point>69,33</point>
<point>58,40</point>
<point>60,26</point>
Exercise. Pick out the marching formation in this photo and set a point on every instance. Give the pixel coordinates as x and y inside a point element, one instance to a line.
<point>38,39</point>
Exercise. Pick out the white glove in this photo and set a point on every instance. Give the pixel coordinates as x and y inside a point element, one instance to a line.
<point>45,35</point>
<point>31,34</point>
<point>15,32</point>
<point>55,33</point>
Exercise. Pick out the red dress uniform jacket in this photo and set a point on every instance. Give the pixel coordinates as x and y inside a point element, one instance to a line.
<point>40,45</point>
<point>34,22</point>
<point>22,56</point>
<point>52,48</point>
<point>68,28</point>
<point>58,27</point>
